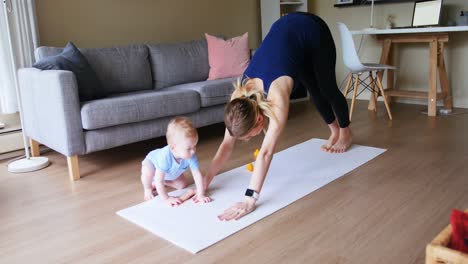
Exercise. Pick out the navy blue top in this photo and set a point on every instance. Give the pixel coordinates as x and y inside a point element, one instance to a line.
<point>285,49</point>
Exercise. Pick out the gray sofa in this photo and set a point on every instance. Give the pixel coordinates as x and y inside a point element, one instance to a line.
<point>145,86</point>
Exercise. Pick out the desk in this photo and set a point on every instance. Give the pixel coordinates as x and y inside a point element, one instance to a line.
<point>436,37</point>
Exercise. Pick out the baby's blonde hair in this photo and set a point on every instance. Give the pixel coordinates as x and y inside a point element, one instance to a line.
<point>180,126</point>
<point>247,102</point>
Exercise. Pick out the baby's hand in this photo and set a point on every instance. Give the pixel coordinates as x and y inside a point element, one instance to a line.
<point>148,194</point>
<point>201,198</point>
<point>173,201</point>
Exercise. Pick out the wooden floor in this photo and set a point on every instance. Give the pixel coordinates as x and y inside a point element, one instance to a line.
<point>385,211</point>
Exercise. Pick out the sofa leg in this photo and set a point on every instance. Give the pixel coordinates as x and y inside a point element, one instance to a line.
<point>73,169</point>
<point>34,147</point>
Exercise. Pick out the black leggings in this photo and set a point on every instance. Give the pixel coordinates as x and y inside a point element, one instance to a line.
<point>319,78</point>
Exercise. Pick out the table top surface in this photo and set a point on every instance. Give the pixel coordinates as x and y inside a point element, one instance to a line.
<point>376,31</point>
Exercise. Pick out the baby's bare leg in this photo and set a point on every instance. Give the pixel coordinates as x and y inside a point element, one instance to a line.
<point>188,194</point>
<point>180,183</point>
<point>147,174</point>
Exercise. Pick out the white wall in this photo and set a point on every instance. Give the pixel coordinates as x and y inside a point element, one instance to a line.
<point>412,59</point>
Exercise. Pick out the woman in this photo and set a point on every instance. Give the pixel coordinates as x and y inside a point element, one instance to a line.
<point>298,51</point>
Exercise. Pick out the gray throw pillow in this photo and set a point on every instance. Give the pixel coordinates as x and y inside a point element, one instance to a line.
<point>71,59</point>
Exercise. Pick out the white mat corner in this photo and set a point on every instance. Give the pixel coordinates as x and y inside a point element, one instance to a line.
<point>304,168</point>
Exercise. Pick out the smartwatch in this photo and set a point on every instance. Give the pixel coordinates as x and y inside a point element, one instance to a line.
<point>253,194</point>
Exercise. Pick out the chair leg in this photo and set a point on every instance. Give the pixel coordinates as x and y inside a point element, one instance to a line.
<point>356,83</point>
<point>348,83</point>
<point>34,148</point>
<point>374,94</point>
<point>73,169</point>
<point>379,84</point>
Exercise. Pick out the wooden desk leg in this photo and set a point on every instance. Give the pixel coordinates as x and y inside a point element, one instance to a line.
<point>390,73</point>
<point>383,60</point>
<point>432,100</point>
<point>444,82</point>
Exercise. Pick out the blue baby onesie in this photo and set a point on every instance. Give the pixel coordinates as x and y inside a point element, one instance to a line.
<point>163,160</point>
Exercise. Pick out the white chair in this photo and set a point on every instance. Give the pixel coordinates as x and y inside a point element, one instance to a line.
<point>356,68</point>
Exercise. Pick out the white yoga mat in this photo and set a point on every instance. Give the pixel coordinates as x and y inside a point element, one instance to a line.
<point>294,173</point>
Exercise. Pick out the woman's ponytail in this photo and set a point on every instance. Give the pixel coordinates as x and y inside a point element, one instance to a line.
<point>247,102</point>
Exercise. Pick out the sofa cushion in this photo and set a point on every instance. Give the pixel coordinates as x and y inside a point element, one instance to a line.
<point>211,93</point>
<point>71,59</point>
<point>179,63</point>
<point>137,106</point>
<point>120,69</point>
<point>109,137</point>
<point>227,58</point>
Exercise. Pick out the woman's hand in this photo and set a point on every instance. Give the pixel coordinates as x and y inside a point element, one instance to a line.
<point>238,210</point>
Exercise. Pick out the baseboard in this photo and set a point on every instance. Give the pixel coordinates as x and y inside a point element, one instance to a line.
<point>20,153</point>
<point>12,123</point>
<point>11,141</point>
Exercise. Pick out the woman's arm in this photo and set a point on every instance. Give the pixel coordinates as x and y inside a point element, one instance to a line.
<point>279,97</point>
<point>223,153</point>
<point>265,155</point>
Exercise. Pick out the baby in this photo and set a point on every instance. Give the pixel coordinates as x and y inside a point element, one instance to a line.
<point>166,166</point>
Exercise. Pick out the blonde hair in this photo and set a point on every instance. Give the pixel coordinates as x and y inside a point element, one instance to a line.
<point>180,126</point>
<point>247,102</point>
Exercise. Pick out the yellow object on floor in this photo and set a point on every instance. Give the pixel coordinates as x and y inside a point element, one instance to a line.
<point>250,166</point>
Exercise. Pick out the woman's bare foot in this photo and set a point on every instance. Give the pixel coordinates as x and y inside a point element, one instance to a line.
<point>335,134</point>
<point>331,141</point>
<point>344,141</point>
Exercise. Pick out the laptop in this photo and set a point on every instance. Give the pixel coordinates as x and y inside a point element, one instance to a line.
<point>426,13</point>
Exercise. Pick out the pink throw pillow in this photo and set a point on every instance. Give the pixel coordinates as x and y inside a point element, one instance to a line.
<point>227,58</point>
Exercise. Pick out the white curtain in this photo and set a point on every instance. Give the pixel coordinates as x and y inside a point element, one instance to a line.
<point>22,23</point>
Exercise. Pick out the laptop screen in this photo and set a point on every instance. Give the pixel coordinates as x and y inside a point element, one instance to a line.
<point>427,13</point>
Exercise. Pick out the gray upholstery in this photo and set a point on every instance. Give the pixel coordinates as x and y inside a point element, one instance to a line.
<point>51,109</point>
<point>146,86</point>
<point>136,107</point>
<point>110,137</point>
<point>213,92</point>
<point>120,69</point>
<point>178,63</point>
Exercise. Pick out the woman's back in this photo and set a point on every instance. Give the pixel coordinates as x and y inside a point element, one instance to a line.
<point>285,48</point>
